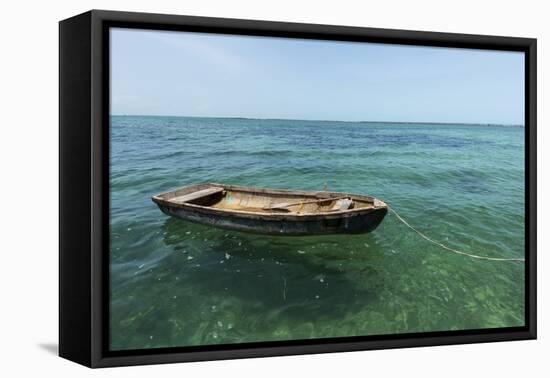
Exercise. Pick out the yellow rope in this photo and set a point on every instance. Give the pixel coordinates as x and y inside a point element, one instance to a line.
<point>448,248</point>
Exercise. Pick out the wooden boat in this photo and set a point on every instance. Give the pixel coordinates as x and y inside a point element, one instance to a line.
<point>273,211</point>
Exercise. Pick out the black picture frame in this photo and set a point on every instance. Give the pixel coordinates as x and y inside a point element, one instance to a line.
<point>83,181</point>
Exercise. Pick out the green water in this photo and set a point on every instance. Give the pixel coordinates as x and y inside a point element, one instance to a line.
<point>175,283</point>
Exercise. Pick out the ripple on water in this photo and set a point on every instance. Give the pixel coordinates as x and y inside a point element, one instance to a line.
<point>175,283</point>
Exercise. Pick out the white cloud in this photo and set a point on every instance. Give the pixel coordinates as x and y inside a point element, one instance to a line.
<point>199,46</point>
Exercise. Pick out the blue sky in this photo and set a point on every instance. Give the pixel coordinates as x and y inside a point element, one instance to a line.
<point>212,75</point>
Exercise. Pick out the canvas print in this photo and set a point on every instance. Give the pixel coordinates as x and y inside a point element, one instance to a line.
<point>276,189</point>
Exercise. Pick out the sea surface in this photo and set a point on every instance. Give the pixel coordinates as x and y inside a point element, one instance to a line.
<point>174,283</point>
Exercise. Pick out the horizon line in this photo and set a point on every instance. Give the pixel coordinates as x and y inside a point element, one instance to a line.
<point>326,120</point>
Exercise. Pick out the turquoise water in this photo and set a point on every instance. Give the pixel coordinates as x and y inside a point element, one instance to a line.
<point>175,283</point>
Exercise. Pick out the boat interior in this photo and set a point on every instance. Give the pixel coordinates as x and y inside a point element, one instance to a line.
<point>265,201</point>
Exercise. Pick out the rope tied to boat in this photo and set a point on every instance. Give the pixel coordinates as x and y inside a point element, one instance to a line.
<point>449,248</point>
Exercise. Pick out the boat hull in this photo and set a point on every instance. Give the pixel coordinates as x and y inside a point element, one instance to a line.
<point>358,224</point>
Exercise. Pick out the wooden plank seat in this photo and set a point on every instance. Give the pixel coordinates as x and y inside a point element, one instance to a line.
<point>197,195</point>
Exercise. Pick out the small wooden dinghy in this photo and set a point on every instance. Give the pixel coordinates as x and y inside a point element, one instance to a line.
<point>273,211</point>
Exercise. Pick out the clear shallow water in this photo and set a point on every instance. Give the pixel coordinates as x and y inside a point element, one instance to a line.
<point>175,283</point>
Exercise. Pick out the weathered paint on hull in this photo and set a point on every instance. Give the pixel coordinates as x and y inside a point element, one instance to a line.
<point>357,224</point>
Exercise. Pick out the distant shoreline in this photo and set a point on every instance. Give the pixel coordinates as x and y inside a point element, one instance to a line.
<point>319,120</point>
